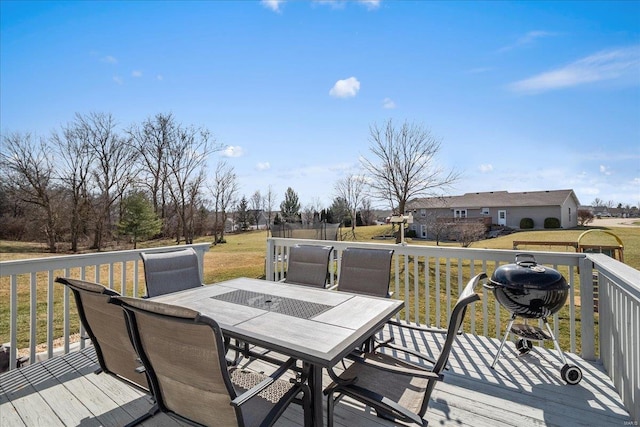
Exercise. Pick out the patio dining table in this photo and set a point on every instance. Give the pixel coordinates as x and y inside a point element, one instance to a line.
<point>317,326</point>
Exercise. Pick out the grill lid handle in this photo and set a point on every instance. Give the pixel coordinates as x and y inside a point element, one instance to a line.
<point>529,261</point>
<point>526,260</point>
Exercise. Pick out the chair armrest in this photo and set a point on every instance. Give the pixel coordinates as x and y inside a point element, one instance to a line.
<point>417,328</point>
<point>244,397</point>
<point>416,371</point>
<point>406,350</point>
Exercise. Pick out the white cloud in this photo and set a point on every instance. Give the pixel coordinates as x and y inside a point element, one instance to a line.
<point>371,4</point>
<point>388,104</point>
<point>109,59</point>
<point>614,64</point>
<point>347,88</point>
<point>605,170</point>
<point>118,80</point>
<point>136,73</point>
<point>263,166</point>
<point>340,4</point>
<point>272,4</point>
<point>159,77</point>
<point>527,39</point>
<point>233,151</point>
<point>485,168</point>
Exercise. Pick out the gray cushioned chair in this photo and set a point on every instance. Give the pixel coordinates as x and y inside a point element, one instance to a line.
<point>308,265</point>
<point>365,271</point>
<point>174,271</point>
<point>183,353</point>
<point>106,326</point>
<point>399,390</point>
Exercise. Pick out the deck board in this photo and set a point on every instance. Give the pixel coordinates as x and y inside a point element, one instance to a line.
<point>521,391</point>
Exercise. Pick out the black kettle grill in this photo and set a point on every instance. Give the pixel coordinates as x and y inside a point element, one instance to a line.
<point>531,291</point>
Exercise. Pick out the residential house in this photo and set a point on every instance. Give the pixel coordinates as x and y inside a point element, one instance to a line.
<point>500,208</point>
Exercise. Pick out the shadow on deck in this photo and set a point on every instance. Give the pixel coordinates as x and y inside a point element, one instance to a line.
<point>522,391</point>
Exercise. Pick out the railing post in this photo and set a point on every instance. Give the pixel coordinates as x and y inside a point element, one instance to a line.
<point>268,261</point>
<point>587,325</point>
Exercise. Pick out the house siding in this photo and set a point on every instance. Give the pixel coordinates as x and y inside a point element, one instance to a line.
<point>561,204</point>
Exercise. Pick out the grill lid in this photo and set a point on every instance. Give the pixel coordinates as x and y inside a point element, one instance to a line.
<point>527,274</point>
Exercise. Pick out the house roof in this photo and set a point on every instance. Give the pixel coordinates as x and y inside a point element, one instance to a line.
<point>495,199</point>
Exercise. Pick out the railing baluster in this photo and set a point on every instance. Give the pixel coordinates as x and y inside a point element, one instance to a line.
<point>33,314</point>
<point>427,296</point>
<point>416,288</point>
<point>65,310</point>
<point>13,321</point>
<point>436,296</point>
<point>50,313</point>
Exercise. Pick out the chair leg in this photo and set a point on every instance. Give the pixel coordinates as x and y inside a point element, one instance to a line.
<point>154,410</point>
<point>330,405</point>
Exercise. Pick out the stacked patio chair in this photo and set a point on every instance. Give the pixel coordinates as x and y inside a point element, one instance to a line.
<point>399,390</point>
<point>106,326</point>
<point>183,353</point>
<point>308,265</point>
<point>174,271</point>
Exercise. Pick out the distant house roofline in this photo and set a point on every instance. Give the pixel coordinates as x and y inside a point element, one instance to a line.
<point>492,199</point>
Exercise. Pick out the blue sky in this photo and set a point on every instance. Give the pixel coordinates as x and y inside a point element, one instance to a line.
<point>524,96</point>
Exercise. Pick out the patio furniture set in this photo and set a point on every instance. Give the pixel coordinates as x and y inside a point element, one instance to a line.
<point>183,342</point>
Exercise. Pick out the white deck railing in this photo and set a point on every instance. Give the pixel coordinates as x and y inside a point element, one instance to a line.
<point>428,277</point>
<point>110,268</point>
<point>619,308</point>
<point>435,275</point>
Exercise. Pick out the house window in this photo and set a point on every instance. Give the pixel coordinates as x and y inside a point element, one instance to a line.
<point>423,212</point>
<point>485,211</point>
<point>460,213</point>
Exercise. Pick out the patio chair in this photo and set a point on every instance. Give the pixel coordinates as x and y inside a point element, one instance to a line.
<point>365,271</point>
<point>183,353</point>
<point>105,325</point>
<point>308,265</point>
<point>399,390</point>
<point>174,271</point>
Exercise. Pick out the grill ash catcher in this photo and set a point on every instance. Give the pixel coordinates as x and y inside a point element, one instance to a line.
<point>531,291</point>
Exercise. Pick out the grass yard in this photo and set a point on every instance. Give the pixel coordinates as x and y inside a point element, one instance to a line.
<point>244,255</point>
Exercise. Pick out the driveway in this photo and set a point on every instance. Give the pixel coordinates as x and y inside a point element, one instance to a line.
<point>614,222</point>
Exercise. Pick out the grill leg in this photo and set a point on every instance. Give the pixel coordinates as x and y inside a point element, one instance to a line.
<point>506,335</point>
<point>555,341</point>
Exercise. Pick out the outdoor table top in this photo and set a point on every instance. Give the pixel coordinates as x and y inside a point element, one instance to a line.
<point>317,326</point>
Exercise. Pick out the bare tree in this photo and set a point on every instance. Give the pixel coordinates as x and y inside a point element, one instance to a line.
<point>308,214</point>
<point>28,165</point>
<point>403,165</point>
<point>366,212</point>
<point>152,140</point>
<point>113,169</point>
<point>350,189</point>
<point>76,158</point>
<point>585,216</point>
<point>268,202</point>
<point>188,153</point>
<point>437,229</point>
<point>224,189</point>
<point>468,232</point>
<point>256,207</point>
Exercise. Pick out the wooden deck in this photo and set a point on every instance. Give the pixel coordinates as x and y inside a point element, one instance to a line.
<point>521,391</point>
